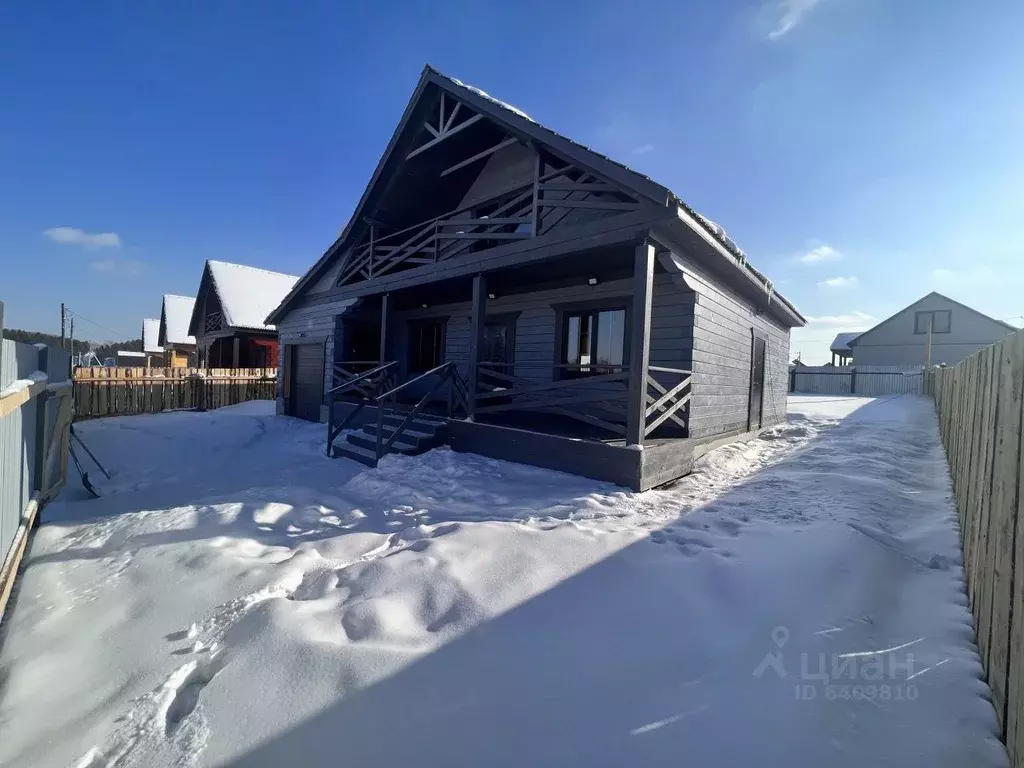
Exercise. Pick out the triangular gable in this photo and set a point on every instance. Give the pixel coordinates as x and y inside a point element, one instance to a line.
<point>440,112</point>
<point>934,294</point>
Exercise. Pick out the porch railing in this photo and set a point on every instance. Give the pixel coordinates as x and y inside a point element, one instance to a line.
<point>597,395</point>
<point>446,373</point>
<point>366,386</point>
<point>523,211</point>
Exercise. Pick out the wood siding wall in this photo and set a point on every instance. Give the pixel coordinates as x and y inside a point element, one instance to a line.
<point>721,359</point>
<point>310,323</point>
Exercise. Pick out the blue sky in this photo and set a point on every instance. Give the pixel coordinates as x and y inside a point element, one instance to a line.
<point>862,152</point>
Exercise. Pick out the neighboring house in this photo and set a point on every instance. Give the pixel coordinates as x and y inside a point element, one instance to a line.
<point>228,318</point>
<point>150,342</point>
<point>179,346</point>
<point>841,352</point>
<point>126,359</point>
<point>543,303</point>
<point>956,332</point>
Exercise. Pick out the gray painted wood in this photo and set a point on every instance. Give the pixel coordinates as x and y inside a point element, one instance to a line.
<point>722,356</point>
<point>639,353</point>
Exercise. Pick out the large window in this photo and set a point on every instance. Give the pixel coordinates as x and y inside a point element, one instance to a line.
<point>426,345</point>
<point>594,340</point>
<point>938,320</point>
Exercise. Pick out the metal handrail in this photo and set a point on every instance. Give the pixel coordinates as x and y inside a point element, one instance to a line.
<point>365,375</point>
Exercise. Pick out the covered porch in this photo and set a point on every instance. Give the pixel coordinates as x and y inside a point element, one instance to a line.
<point>556,359</point>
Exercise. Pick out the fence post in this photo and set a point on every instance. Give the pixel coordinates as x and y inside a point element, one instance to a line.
<point>39,460</point>
<point>853,381</point>
<point>792,379</point>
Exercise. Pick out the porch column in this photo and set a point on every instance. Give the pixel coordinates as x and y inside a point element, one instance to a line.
<point>236,342</point>
<point>640,342</point>
<point>385,317</point>
<point>478,318</point>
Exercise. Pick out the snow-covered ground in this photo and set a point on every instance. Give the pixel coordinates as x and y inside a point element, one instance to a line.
<point>237,598</point>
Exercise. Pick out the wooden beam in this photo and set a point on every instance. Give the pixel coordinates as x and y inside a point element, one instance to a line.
<point>483,222</point>
<point>443,136</point>
<point>568,186</point>
<point>611,205</point>
<point>479,156</point>
<point>640,341</point>
<point>432,129</point>
<point>483,235</point>
<point>451,117</point>
<point>657,404</point>
<point>385,312</point>
<point>235,350</point>
<point>478,318</point>
<point>538,163</point>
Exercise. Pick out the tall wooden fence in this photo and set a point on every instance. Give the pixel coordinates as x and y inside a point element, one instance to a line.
<point>35,416</point>
<point>126,391</point>
<point>865,380</point>
<point>979,406</point>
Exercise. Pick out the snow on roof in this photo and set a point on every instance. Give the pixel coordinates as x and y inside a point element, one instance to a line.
<point>175,318</point>
<point>486,95</point>
<point>128,353</point>
<point>248,294</point>
<point>151,335</point>
<point>842,341</point>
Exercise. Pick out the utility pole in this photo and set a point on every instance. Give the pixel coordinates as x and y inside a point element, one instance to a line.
<point>71,357</point>
<point>62,317</point>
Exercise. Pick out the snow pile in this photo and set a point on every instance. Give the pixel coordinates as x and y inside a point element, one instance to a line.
<point>241,599</point>
<point>175,319</point>
<point>248,294</point>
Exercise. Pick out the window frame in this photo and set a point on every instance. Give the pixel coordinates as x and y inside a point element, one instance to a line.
<point>415,324</point>
<point>509,320</point>
<point>592,307</point>
<point>932,313</point>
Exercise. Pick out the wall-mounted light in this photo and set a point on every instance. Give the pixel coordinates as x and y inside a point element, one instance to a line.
<point>423,306</point>
<point>490,296</point>
<point>591,281</point>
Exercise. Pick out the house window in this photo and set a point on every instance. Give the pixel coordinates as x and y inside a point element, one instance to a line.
<point>594,340</point>
<point>426,345</point>
<point>937,319</point>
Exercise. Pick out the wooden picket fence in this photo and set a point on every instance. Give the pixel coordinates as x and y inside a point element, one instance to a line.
<point>125,391</point>
<point>980,418</point>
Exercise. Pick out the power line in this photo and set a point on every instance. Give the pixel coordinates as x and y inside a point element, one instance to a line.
<point>98,325</point>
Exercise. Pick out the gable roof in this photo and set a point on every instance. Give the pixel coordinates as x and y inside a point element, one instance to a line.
<point>934,294</point>
<point>174,320</point>
<point>517,122</point>
<point>843,340</point>
<point>247,294</point>
<point>151,335</point>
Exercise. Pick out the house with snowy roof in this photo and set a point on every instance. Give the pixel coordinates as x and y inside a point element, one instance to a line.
<point>934,329</point>
<point>228,318</point>
<point>840,348</point>
<point>154,353</point>
<point>179,346</point>
<point>508,291</point>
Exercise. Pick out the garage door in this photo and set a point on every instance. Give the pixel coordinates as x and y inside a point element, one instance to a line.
<point>307,369</point>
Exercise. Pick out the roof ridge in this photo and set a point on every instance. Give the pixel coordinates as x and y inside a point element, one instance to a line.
<point>251,268</point>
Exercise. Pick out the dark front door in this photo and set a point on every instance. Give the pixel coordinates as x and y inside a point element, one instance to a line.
<point>756,384</point>
<point>306,385</point>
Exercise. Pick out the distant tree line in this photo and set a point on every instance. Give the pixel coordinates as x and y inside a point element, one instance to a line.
<point>102,351</point>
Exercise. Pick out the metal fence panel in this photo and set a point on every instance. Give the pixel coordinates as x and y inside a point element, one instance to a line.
<point>866,380</point>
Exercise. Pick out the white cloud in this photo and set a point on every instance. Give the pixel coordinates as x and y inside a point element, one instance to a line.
<point>820,254</point>
<point>789,14</point>
<point>643,149</point>
<point>124,266</point>
<point>76,236</point>
<point>839,282</point>
<point>862,320</point>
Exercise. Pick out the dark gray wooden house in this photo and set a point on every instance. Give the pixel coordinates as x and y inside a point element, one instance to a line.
<point>227,318</point>
<point>507,291</point>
